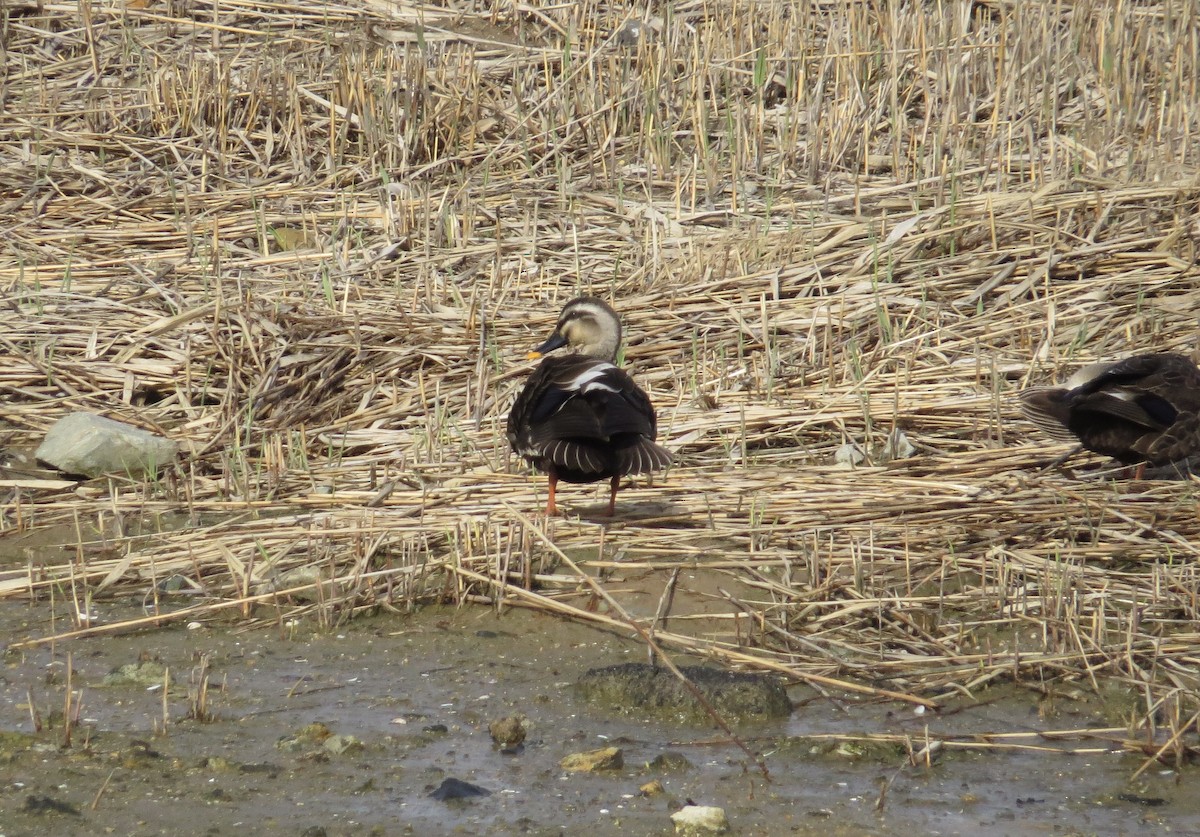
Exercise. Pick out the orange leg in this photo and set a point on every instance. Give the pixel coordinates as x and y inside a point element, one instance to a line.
<point>1140,473</point>
<point>612,495</point>
<point>551,508</point>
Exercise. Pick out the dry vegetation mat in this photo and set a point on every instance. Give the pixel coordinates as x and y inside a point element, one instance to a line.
<point>313,243</point>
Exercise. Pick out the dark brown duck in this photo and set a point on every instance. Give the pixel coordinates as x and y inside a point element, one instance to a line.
<point>580,418</point>
<point>1141,410</point>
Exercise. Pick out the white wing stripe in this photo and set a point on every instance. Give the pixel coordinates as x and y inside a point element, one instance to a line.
<point>590,376</point>
<point>592,387</point>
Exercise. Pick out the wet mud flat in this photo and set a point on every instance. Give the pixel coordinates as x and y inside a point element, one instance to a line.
<point>313,731</point>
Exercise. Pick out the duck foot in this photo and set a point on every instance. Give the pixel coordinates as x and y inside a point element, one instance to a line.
<point>613,484</point>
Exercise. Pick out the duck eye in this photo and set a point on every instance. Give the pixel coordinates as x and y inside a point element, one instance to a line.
<point>578,325</point>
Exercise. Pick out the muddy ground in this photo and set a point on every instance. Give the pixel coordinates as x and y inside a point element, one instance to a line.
<point>406,702</point>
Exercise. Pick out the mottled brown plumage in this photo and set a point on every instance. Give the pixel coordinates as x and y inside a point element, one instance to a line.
<point>580,418</point>
<point>1141,410</point>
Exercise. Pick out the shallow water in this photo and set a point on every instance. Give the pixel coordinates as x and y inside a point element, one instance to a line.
<point>389,681</point>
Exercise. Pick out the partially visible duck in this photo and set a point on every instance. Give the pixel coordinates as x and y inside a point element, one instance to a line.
<point>1141,410</point>
<point>580,418</point>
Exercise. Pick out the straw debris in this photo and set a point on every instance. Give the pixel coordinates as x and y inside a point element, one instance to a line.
<point>313,242</point>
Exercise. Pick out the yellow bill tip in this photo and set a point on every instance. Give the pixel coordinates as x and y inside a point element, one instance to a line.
<point>533,355</point>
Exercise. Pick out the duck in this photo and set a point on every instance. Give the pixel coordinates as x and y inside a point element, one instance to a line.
<point>580,418</point>
<point>1143,410</point>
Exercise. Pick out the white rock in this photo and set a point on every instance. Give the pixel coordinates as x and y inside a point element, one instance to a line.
<point>83,443</point>
<point>696,820</point>
<point>898,446</point>
<point>849,454</point>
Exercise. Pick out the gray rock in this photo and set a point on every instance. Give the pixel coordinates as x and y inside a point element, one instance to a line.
<point>693,820</point>
<point>452,789</point>
<point>669,762</point>
<point>142,673</point>
<point>631,34</point>
<point>342,744</point>
<point>849,455</point>
<point>594,761</point>
<point>898,446</point>
<point>91,445</point>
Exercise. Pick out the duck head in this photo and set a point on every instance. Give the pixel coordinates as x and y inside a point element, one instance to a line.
<point>589,326</point>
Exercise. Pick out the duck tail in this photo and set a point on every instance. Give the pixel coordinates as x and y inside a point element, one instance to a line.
<point>642,457</point>
<point>1048,408</point>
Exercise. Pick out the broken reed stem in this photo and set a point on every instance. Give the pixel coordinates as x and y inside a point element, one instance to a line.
<point>185,613</point>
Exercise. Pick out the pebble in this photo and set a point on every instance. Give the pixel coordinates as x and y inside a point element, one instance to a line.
<point>696,820</point>
<point>592,761</point>
<point>451,789</point>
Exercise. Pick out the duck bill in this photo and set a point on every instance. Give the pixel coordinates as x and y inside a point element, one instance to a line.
<point>556,341</point>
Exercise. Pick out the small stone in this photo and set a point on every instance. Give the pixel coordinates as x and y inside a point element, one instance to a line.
<point>307,736</point>
<point>142,673</point>
<point>508,733</point>
<point>341,744</point>
<point>91,445</point>
<point>898,446</point>
<point>632,33</point>
<point>849,455</point>
<point>670,762</point>
<point>315,732</point>
<point>606,758</point>
<point>654,788</point>
<point>696,820</point>
<point>451,789</point>
<point>877,163</point>
<point>178,583</point>
<point>264,767</point>
<point>849,750</point>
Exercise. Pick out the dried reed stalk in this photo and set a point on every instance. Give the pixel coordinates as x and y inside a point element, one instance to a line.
<point>312,242</point>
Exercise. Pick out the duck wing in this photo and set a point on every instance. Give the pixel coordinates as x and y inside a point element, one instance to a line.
<point>1150,390</point>
<point>585,415</point>
<point>1143,408</point>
